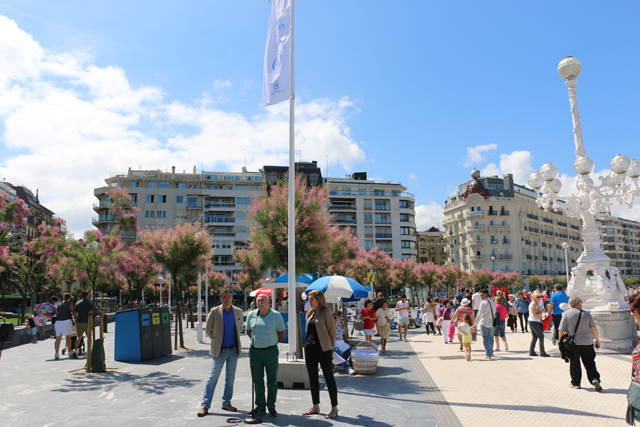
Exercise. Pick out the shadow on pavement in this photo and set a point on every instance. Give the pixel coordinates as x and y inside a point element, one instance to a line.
<point>153,383</point>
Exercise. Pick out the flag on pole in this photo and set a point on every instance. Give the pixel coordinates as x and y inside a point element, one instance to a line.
<point>278,58</point>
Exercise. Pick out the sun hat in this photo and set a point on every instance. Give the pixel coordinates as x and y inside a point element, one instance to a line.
<point>465,301</point>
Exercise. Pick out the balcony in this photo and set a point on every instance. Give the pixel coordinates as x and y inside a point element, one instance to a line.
<point>477,242</point>
<point>384,236</point>
<point>575,227</point>
<point>224,263</point>
<point>529,257</point>
<point>535,243</point>
<point>478,228</point>
<point>493,213</point>
<point>531,216</point>
<point>504,213</point>
<point>219,219</point>
<point>382,221</point>
<point>382,208</point>
<point>548,220</point>
<point>194,205</point>
<point>476,213</point>
<point>505,256</point>
<point>562,224</point>
<point>506,241</point>
<point>494,242</point>
<point>343,207</point>
<point>386,249</point>
<point>544,245</point>
<point>499,228</point>
<point>478,257</point>
<point>344,221</point>
<point>535,257</point>
<point>222,233</point>
<point>559,259</point>
<point>544,258</point>
<point>209,205</point>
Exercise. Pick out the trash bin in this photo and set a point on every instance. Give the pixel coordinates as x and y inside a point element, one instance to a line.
<point>141,334</point>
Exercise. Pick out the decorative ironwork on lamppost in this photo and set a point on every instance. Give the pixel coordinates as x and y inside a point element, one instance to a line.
<point>597,284</point>
<point>565,246</point>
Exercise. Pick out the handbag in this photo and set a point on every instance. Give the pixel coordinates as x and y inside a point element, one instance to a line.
<point>568,342</point>
<point>633,407</point>
<point>358,325</point>
<point>474,336</point>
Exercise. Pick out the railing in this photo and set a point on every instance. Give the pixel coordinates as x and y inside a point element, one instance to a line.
<point>544,245</point>
<point>385,249</point>
<point>219,205</point>
<point>535,257</point>
<point>224,263</point>
<point>383,221</point>
<point>343,221</point>
<point>529,257</point>
<point>368,206</point>
<point>527,242</point>
<point>225,219</point>
<point>535,243</point>
<point>477,228</point>
<point>531,216</point>
<point>342,207</point>
<point>382,208</point>
<point>478,257</point>
<point>493,213</point>
<point>477,242</point>
<point>494,242</point>
<point>504,213</point>
<point>562,224</point>
<point>575,227</point>
<point>505,256</point>
<point>476,213</point>
<point>548,220</point>
<point>558,259</point>
<point>384,235</point>
<point>506,241</point>
<point>370,193</point>
<point>544,258</point>
<point>194,206</point>
<point>220,233</point>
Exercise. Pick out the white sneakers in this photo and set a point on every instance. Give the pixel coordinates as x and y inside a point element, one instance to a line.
<point>57,356</point>
<point>351,371</point>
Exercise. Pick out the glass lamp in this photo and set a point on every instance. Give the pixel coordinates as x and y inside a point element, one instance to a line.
<point>620,164</point>
<point>583,165</point>
<point>549,171</point>
<point>569,68</point>
<point>535,181</point>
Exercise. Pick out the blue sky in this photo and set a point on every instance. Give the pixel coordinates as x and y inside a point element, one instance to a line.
<point>406,91</point>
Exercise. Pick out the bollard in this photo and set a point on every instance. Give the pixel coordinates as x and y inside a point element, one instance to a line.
<point>89,341</point>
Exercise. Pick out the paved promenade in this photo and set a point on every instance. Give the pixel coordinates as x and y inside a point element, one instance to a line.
<point>419,383</point>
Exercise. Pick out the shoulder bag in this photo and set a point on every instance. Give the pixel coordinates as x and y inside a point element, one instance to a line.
<point>568,342</point>
<point>495,319</point>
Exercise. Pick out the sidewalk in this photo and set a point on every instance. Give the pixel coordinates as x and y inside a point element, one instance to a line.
<point>513,389</point>
<point>39,391</point>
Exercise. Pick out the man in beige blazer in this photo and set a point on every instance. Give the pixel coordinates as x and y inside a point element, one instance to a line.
<point>224,325</point>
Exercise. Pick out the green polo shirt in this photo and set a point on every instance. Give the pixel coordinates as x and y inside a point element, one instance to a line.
<point>265,328</point>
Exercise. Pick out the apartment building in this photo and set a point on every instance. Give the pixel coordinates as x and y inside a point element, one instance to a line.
<point>433,246</point>
<point>493,222</point>
<point>621,243</point>
<point>40,214</point>
<point>219,199</point>
<point>379,213</point>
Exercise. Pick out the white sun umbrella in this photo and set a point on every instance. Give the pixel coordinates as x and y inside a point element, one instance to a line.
<point>335,287</point>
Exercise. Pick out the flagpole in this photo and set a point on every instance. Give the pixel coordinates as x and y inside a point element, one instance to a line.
<point>292,333</point>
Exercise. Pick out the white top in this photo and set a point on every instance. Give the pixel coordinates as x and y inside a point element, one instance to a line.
<point>464,327</point>
<point>382,315</point>
<point>532,318</point>
<point>477,299</point>
<point>402,314</point>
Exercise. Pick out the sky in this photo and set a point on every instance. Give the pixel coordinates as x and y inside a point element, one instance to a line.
<point>418,92</point>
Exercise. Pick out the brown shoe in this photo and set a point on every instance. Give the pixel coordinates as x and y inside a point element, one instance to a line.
<point>229,407</point>
<point>203,411</point>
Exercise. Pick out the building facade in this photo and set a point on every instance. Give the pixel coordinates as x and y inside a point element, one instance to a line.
<point>621,243</point>
<point>40,214</point>
<point>493,222</point>
<point>379,213</point>
<point>433,246</point>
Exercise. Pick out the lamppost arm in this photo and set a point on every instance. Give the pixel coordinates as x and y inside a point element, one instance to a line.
<point>575,115</point>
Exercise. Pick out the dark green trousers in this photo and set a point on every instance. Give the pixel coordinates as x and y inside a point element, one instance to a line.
<point>266,360</point>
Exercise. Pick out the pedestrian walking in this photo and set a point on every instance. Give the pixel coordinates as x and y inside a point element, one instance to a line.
<point>512,322</point>
<point>485,319</point>
<point>82,310</point>
<point>64,322</point>
<point>404,309</point>
<point>523,311</point>
<point>476,300</point>
<point>384,316</point>
<point>429,317</point>
<point>500,330</point>
<point>367,314</point>
<point>436,312</point>
<point>536,310</point>
<point>445,314</point>
<point>224,326</point>
<point>269,329</point>
<point>558,297</point>
<point>580,325</point>
<point>377,303</point>
<point>464,328</point>
<point>321,339</point>
<point>458,318</point>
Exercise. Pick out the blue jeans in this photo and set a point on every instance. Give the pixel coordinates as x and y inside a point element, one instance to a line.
<point>345,355</point>
<point>229,355</point>
<point>499,331</point>
<point>487,340</point>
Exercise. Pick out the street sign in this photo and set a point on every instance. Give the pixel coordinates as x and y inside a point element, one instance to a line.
<point>371,277</point>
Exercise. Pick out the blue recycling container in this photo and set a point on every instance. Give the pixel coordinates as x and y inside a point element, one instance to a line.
<point>142,334</point>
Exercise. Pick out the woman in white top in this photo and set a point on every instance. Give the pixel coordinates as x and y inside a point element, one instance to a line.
<point>536,310</point>
<point>429,318</point>
<point>384,316</point>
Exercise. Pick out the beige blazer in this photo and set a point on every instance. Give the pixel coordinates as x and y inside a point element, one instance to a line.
<point>326,328</point>
<point>215,329</point>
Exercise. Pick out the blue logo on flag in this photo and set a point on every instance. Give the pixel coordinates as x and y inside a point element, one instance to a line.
<point>278,62</point>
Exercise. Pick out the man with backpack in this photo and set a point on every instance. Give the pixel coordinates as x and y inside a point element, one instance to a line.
<point>486,319</point>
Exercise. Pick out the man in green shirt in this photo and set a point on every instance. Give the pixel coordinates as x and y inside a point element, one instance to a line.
<point>269,329</point>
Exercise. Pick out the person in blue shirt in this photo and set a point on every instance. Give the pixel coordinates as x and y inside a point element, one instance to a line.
<point>523,311</point>
<point>558,297</point>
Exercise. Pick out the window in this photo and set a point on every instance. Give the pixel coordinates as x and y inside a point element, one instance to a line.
<point>181,185</point>
<point>149,214</point>
<point>491,222</point>
<point>213,187</point>
<point>408,244</point>
<point>504,222</point>
<point>368,217</point>
<point>241,215</point>
<point>405,204</point>
<point>162,214</point>
<point>192,202</point>
<point>243,200</point>
<point>215,244</point>
<point>133,184</point>
<point>407,218</point>
<point>152,185</point>
<point>226,244</point>
<point>314,179</point>
<point>162,199</point>
<point>368,244</point>
<point>164,185</point>
<point>134,199</point>
<point>362,191</point>
<point>193,185</point>
<point>179,199</point>
<point>407,231</point>
<point>150,198</point>
<point>395,193</point>
<point>476,223</point>
<point>273,178</point>
<point>378,192</point>
<point>231,178</point>
<point>479,208</point>
<point>242,229</point>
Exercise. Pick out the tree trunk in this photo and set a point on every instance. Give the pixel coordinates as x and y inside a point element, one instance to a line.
<point>175,335</point>
<point>181,334</point>
<point>190,315</point>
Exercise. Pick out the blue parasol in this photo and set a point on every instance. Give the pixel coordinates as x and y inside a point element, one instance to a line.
<point>335,287</point>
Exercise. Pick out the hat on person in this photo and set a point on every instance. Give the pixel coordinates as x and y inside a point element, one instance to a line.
<point>465,301</point>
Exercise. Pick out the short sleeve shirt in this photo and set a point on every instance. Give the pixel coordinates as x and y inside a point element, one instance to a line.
<point>584,335</point>
<point>502,312</point>
<point>557,299</point>
<point>265,328</point>
<point>477,300</point>
<point>83,308</point>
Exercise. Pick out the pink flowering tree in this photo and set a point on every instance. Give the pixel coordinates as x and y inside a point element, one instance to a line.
<point>217,282</point>
<point>374,260</point>
<point>253,268</point>
<point>404,275</point>
<point>451,275</point>
<point>269,222</point>
<point>181,250</point>
<point>124,213</point>
<point>428,275</point>
<point>11,214</point>
<point>483,278</point>
<point>343,248</point>
<point>503,279</point>
<point>137,266</point>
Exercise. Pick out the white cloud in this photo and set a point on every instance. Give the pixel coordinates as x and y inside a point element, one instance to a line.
<point>518,163</point>
<point>475,154</point>
<point>429,215</point>
<point>413,178</point>
<point>68,124</point>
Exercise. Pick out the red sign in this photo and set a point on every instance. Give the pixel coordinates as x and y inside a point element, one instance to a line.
<point>475,189</point>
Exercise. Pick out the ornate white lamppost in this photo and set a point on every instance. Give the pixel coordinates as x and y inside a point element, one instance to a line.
<point>565,246</point>
<point>597,284</point>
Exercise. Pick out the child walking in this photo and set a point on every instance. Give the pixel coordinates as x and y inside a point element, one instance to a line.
<point>465,328</point>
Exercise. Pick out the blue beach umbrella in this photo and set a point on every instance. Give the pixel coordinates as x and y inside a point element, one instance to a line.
<point>335,287</point>
<point>303,278</point>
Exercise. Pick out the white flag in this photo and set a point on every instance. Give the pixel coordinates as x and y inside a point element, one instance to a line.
<point>277,56</point>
